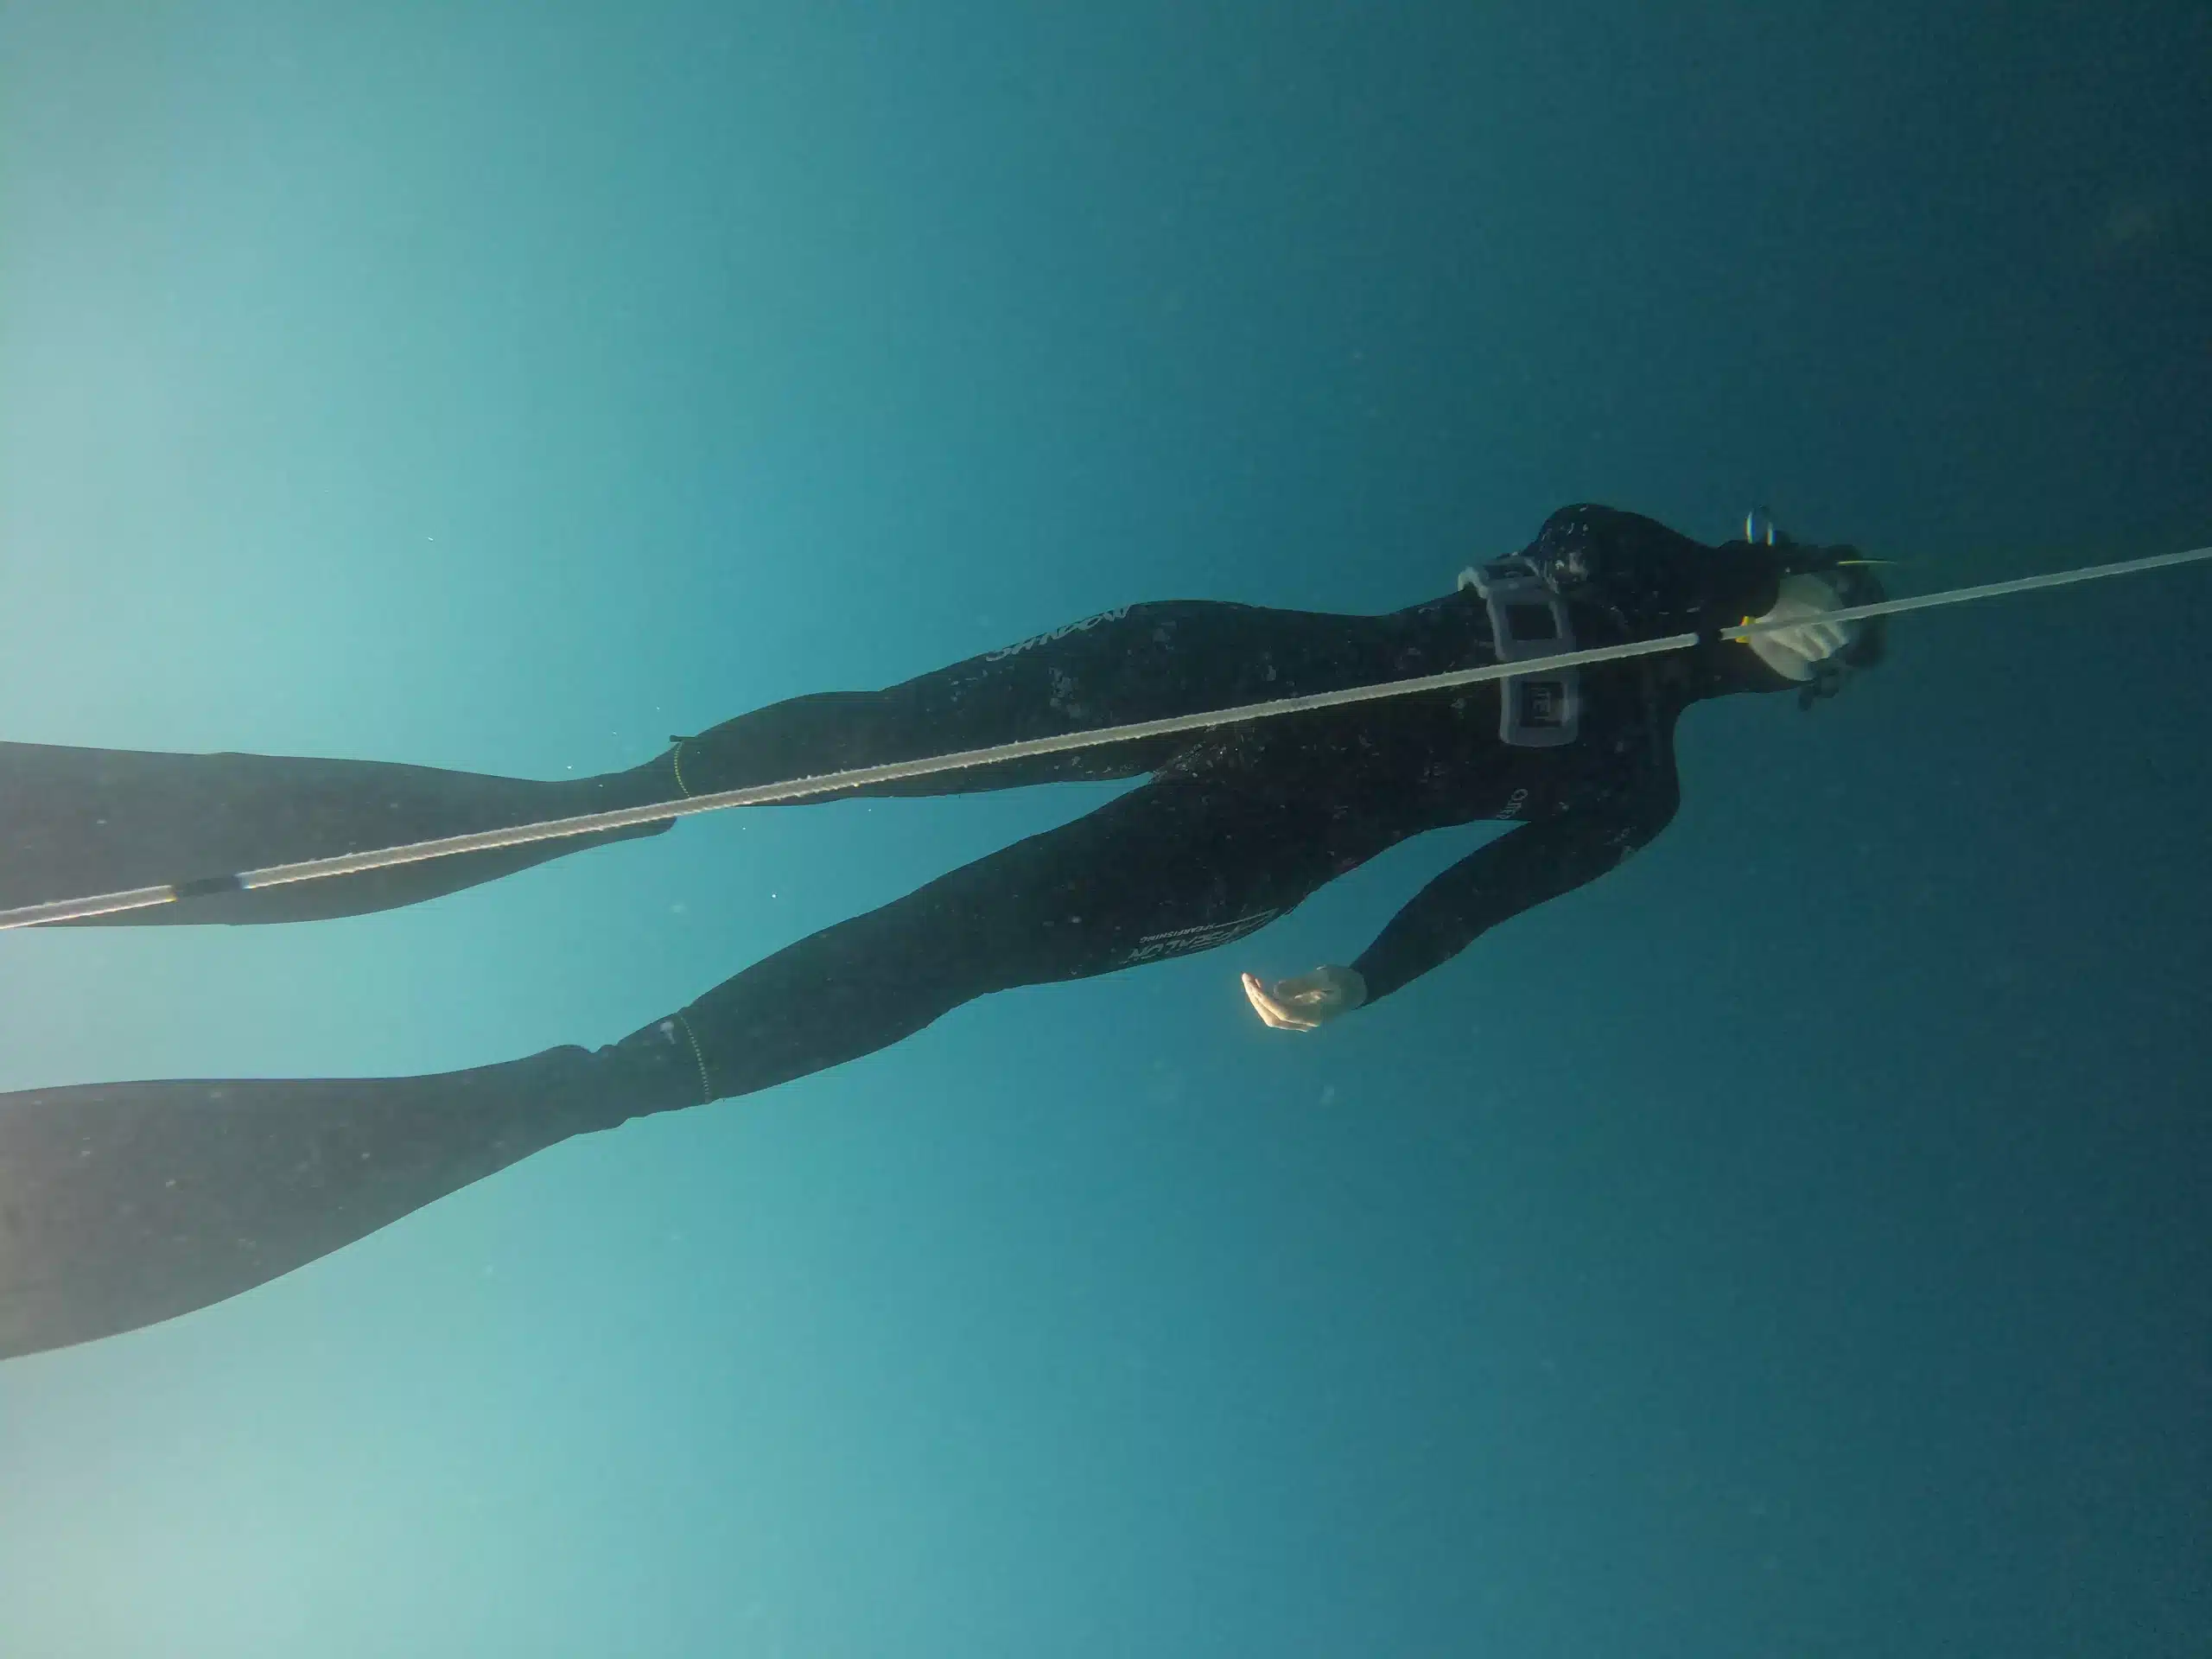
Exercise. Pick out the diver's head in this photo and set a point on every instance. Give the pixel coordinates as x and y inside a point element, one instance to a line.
<point>1817,655</point>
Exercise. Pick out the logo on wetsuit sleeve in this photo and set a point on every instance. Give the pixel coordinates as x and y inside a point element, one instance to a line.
<point>1035,639</point>
<point>1185,941</point>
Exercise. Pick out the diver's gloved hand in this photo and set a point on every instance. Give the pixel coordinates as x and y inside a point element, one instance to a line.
<point>1797,653</point>
<point>1306,1001</point>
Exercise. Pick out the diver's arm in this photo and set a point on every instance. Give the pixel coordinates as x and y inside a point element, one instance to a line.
<point>1534,862</point>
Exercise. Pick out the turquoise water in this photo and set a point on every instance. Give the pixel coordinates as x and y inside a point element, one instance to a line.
<point>1794,1242</point>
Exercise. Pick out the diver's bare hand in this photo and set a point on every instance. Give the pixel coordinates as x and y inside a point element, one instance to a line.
<point>1306,1001</point>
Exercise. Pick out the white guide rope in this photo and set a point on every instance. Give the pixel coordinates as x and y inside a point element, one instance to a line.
<point>799,789</point>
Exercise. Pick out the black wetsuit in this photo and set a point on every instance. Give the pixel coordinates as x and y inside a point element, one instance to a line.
<point>121,1203</point>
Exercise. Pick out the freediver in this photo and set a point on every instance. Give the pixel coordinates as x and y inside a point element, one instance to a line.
<point>125,1203</point>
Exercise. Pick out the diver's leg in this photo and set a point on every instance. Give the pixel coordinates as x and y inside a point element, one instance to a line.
<point>75,822</point>
<point>125,1204</point>
<point>1168,869</point>
<point>1141,662</point>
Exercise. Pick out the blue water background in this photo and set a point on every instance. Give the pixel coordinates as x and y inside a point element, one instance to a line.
<point>1794,1243</point>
